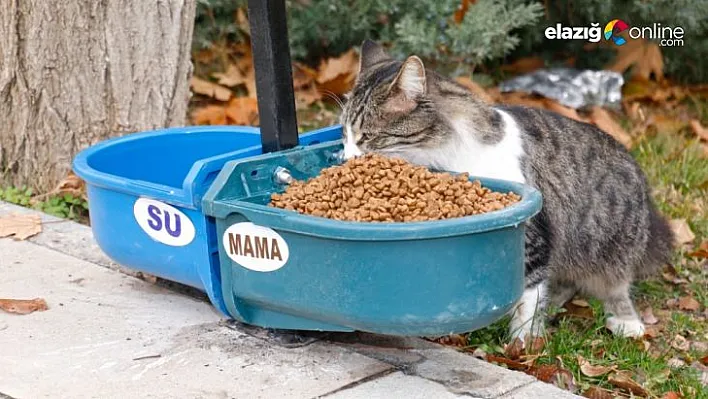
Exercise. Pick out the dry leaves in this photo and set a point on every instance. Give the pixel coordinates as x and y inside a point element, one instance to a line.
<point>595,392</point>
<point>209,89</point>
<point>642,56</point>
<point>688,303</point>
<point>593,371</point>
<point>337,75</point>
<point>623,380</point>
<point>603,120</point>
<point>575,311</point>
<point>524,65</point>
<point>699,130</point>
<point>680,343</point>
<point>452,340</point>
<point>20,226</point>
<point>648,316</point>
<point>682,231</point>
<point>475,89</point>
<point>23,306</point>
<point>701,252</point>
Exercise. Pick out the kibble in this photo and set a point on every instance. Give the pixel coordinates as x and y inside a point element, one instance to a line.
<point>374,188</point>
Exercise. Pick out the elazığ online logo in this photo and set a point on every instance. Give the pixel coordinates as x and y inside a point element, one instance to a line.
<point>666,36</point>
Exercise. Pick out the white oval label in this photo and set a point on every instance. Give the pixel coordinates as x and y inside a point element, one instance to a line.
<point>163,222</point>
<point>254,247</point>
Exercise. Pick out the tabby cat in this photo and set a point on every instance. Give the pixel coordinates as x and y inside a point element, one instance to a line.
<point>598,230</point>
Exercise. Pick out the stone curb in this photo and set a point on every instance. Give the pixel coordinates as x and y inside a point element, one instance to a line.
<point>414,361</point>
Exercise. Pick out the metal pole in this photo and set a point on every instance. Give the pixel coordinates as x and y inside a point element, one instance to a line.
<point>274,79</point>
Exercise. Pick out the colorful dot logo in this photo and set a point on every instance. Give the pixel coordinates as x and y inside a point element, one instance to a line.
<point>613,28</point>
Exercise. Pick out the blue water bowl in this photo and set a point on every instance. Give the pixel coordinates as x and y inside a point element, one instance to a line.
<point>145,192</point>
<point>282,269</point>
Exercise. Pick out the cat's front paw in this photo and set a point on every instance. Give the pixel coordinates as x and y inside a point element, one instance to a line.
<point>632,328</point>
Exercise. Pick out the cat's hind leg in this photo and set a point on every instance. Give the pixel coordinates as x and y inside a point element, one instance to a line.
<point>527,315</point>
<point>622,319</point>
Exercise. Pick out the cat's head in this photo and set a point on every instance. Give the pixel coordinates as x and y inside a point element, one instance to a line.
<point>391,107</point>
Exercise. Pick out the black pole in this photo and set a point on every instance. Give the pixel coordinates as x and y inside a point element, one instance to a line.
<point>274,79</point>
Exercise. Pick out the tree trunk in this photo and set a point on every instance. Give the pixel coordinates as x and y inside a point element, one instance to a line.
<point>75,72</point>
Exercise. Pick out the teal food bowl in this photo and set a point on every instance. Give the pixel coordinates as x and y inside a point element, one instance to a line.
<point>281,269</point>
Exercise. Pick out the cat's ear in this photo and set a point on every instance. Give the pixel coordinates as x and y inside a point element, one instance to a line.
<point>371,53</point>
<point>410,80</point>
<point>407,87</point>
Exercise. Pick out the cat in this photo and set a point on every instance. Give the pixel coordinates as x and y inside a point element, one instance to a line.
<point>598,230</point>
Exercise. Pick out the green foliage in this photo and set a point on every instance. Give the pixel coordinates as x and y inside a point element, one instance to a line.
<point>491,31</point>
<point>215,23</point>
<point>686,63</point>
<point>14,195</point>
<point>64,206</point>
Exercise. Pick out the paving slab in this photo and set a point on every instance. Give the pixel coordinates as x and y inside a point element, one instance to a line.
<point>109,335</point>
<point>397,385</point>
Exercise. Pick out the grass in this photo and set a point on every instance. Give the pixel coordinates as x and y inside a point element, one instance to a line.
<point>677,169</point>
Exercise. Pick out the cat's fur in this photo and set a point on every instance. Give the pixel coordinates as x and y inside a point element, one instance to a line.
<point>598,230</point>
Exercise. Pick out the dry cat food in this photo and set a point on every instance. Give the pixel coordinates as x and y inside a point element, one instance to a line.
<point>373,188</point>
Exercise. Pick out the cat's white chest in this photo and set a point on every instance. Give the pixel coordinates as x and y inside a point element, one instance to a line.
<point>501,160</point>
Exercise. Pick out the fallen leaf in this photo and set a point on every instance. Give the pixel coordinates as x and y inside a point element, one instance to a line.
<point>593,371</point>
<point>476,89</point>
<point>242,21</point>
<point>479,353</point>
<point>698,129</point>
<point>462,10</point>
<point>673,278</point>
<point>595,392</point>
<point>210,89</point>
<point>680,343</point>
<point>682,231</point>
<point>515,349</point>
<point>337,74</point>
<point>701,252</point>
<point>23,306</point>
<point>20,226</point>
<point>675,362</point>
<point>704,360</point>
<point>232,77</point>
<point>573,310</point>
<point>555,375</point>
<point>688,303</point>
<point>307,97</point>
<point>672,303</point>
<point>645,344</point>
<point>603,120</point>
<point>563,110</point>
<point>580,302</point>
<point>209,115</point>
<point>303,76</point>
<point>648,316</point>
<point>623,380</point>
<point>512,364</point>
<point>537,345</point>
<point>700,347</point>
<point>644,56</point>
<point>453,340</point>
<point>671,395</point>
<point>524,65</point>
<point>242,111</point>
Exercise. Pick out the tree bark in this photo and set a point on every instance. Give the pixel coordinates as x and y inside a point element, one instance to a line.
<point>75,72</point>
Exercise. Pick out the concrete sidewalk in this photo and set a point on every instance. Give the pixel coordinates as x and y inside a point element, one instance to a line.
<point>108,334</point>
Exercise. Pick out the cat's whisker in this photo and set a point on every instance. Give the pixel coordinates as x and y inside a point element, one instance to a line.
<point>333,96</point>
